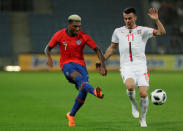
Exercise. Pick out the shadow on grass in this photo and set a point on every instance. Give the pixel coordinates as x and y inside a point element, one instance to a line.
<point>168,124</point>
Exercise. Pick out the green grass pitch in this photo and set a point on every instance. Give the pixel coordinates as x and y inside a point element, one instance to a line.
<point>39,101</point>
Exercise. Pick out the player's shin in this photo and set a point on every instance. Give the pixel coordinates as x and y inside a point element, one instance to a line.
<point>144,102</point>
<point>84,85</point>
<point>132,97</point>
<point>79,101</point>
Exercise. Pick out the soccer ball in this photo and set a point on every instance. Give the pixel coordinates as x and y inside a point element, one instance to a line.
<point>158,97</point>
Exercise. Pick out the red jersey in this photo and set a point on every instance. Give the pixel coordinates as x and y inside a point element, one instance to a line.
<point>71,48</point>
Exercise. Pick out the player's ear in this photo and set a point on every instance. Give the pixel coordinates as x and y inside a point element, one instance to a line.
<point>135,18</point>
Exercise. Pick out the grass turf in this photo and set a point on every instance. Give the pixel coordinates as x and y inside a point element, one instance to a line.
<point>39,101</point>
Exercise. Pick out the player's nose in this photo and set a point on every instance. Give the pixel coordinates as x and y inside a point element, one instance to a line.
<point>128,20</point>
<point>77,28</point>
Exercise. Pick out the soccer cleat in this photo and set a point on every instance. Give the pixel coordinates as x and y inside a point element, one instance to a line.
<point>71,120</point>
<point>143,122</point>
<point>135,112</point>
<point>98,93</point>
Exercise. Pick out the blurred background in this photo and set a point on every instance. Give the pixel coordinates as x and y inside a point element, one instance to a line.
<point>38,101</point>
<point>26,26</point>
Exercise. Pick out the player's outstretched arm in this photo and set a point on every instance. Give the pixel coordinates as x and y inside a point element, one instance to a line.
<point>48,54</point>
<point>102,70</point>
<point>153,14</point>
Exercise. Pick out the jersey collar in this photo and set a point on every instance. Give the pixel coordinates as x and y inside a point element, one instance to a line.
<point>66,31</point>
<point>132,28</point>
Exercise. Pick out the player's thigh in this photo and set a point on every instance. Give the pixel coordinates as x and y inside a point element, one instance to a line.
<point>82,70</point>
<point>70,72</point>
<point>143,77</point>
<point>143,81</point>
<point>128,78</point>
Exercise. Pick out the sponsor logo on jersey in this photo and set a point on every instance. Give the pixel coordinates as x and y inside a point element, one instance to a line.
<point>78,42</point>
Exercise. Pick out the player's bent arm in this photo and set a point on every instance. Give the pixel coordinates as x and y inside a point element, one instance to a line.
<point>48,54</point>
<point>100,56</point>
<point>47,50</point>
<point>110,50</point>
<point>161,30</point>
<point>101,65</point>
<point>153,13</point>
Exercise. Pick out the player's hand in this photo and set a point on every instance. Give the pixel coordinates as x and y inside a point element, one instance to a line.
<point>153,13</point>
<point>49,62</point>
<point>98,64</point>
<point>101,70</point>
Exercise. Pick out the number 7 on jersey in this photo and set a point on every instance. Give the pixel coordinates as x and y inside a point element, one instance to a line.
<point>65,44</point>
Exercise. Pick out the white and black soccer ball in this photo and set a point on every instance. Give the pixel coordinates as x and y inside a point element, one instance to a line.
<point>158,97</point>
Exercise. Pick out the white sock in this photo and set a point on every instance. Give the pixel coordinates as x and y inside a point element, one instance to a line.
<point>144,102</point>
<point>132,95</point>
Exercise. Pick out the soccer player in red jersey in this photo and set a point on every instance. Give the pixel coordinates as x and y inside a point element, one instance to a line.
<point>72,41</point>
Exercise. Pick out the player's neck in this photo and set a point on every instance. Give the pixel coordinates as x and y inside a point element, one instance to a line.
<point>132,27</point>
<point>69,33</point>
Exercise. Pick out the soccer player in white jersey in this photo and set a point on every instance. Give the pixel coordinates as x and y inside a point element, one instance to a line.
<point>131,40</point>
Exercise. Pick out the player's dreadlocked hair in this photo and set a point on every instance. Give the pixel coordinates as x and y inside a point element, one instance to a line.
<point>129,10</point>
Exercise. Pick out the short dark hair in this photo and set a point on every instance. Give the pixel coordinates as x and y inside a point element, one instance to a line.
<point>129,10</point>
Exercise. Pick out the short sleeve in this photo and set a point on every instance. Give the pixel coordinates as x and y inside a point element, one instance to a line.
<point>148,32</point>
<point>54,40</point>
<point>90,42</point>
<point>114,37</point>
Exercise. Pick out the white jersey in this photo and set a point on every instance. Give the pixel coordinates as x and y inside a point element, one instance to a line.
<point>132,44</point>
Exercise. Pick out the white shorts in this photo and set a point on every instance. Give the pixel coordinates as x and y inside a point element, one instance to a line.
<point>138,73</point>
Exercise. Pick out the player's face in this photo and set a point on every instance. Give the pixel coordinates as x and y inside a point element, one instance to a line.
<point>74,28</point>
<point>130,20</point>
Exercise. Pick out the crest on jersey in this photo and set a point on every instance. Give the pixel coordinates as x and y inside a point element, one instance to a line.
<point>78,42</point>
<point>139,31</point>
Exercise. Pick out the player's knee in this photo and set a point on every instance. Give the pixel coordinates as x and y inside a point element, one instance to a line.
<point>80,79</point>
<point>82,89</point>
<point>143,94</point>
<point>130,87</point>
